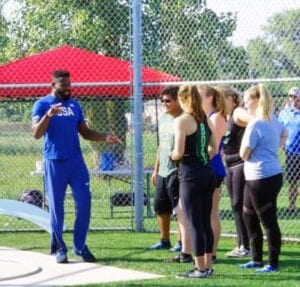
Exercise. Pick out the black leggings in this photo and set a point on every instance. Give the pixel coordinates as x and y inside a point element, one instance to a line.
<point>235,183</point>
<point>260,201</point>
<point>196,198</point>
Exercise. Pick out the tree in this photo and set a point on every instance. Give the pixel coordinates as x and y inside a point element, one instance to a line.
<point>89,25</point>
<point>276,53</point>
<point>99,26</point>
<point>3,38</point>
<point>181,37</point>
<point>189,40</point>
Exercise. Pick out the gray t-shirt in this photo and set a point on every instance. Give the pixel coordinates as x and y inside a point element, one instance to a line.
<point>166,145</point>
<point>263,138</point>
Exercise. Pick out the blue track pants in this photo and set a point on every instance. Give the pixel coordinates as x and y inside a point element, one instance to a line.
<point>58,175</point>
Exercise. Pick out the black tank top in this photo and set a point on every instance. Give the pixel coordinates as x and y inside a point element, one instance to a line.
<point>195,164</point>
<point>196,145</point>
<point>232,142</point>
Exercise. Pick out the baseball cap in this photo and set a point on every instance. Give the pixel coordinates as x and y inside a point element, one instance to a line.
<point>294,91</point>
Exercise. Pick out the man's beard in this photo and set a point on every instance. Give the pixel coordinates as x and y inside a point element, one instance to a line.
<point>63,96</point>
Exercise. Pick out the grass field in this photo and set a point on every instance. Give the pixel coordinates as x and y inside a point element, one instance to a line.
<point>128,250</point>
<point>19,152</point>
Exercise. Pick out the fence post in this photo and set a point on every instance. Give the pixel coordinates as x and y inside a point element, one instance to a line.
<point>138,115</point>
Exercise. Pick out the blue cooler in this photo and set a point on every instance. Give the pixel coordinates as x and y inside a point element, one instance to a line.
<point>107,161</point>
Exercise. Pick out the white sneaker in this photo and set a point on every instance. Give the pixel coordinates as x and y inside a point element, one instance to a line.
<point>244,252</point>
<point>234,252</point>
<point>239,252</point>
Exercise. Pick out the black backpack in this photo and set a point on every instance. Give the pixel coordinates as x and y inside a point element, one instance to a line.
<point>32,196</point>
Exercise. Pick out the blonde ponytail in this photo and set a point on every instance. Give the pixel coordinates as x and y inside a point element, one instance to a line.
<point>265,106</point>
<point>190,96</point>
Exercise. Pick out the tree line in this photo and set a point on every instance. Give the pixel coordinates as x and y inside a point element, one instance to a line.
<point>183,38</point>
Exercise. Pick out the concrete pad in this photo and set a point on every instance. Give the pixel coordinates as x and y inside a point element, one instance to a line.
<point>26,268</point>
<point>14,269</point>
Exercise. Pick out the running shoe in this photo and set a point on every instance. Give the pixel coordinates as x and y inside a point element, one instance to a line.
<point>239,252</point>
<point>244,252</point>
<point>250,265</point>
<point>177,247</point>
<point>209,272</point>
<point>61,256</point>
<point>85,253</point>
<point>267,269</point>
<point>193,274</point>
<point>234,252</point>
<point>163,244</point>
<point>181,258</point>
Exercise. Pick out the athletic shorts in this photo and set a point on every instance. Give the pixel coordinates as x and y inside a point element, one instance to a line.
<point>167,194</point>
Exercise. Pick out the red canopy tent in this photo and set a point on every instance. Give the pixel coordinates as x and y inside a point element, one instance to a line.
<point>91,74</point>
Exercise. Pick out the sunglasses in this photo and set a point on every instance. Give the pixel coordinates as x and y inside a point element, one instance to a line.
<point>167,101</point>
<point>294,97</point>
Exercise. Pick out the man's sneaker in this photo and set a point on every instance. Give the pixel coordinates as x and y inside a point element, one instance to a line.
<point>85,253</point>
<point>177,247</point>
<point>193,274</point>
<point>181,258</point>
<point>239,252</point>
<point>250,265</point>
<point>61,256</point>
<point>209,272</point>
<point>163,244</point>
<point>267,269</point>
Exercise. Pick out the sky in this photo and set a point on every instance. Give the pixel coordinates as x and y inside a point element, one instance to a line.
<point>251,15</point>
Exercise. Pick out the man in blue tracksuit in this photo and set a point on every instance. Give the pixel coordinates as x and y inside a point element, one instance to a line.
<point>59,119</point>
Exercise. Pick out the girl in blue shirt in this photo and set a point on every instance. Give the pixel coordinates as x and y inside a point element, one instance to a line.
<point>259,149</point>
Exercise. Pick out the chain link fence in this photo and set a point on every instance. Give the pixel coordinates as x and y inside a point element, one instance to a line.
<point>182,41</point>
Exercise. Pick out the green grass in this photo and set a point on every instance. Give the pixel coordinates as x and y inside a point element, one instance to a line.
<point>127,250</point>
<point>19,152</point>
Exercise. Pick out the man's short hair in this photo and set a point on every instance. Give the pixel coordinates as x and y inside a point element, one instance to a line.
<point>60,74</point>
<point>172,91</point>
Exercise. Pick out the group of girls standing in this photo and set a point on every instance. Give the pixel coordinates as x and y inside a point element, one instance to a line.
<point>211,118</point>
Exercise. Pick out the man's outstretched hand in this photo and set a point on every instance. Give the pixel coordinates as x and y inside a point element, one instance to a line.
<point>112,139</point>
